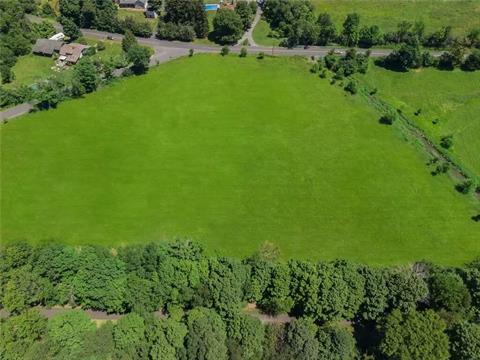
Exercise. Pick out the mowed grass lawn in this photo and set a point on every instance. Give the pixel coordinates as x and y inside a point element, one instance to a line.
<point>449,103</point>
<point>462,15</point>
<point>30,68</point>
<point>231,152</point>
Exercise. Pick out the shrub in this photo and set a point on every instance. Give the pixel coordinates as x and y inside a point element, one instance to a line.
<point>323,74</point>
<point>464,187</point>
<point>171,31</point>
<point>446,141</point>
<point>261,55</point>
<point>190,52</point>
<point>441,168</point>
<point>472,62</point>
<point>388,118</point>
<point>352,87</point>
<point>243,52</point>
<point>225,50</point>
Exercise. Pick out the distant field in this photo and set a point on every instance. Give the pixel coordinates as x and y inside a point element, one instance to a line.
<point>462,15</point>
<point>452,97</point>
<point>276,154</point>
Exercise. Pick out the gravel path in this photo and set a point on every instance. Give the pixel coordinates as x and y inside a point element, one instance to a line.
<point>249,33</point>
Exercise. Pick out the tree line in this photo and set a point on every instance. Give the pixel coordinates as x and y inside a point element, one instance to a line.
<point>342,310</point>
<point>295,20</point>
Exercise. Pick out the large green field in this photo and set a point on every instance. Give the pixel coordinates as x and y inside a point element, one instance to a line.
<point>462,15</point>
<point>449,103</point>
<point>231,152</point>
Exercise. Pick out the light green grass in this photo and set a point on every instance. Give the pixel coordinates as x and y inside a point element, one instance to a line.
<point>462,15</point>
<point>452,97</point>
<point>112,49</point>
<point>278,154</point>
<point>260,34</point>
<point>31,68</point>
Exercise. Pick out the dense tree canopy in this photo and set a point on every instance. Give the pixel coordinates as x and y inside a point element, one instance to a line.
<point>199,304</point>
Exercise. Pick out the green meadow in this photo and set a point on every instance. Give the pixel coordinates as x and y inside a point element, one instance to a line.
<point>449,104</point>
<point>231,152</point>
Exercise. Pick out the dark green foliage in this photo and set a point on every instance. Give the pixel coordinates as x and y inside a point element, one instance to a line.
<point>388,118</point>
<point>19,333</point>
<point>6,74</point>
<point>405,289</point>
<point>70,29</point>
<point>46,10</point>
<point>404,58</point>
<point>187,12</point>
<point>243,52</point>
<point>369,36</point>
<point>448,294</point>
<point>465,341</point>
<point>352,87</point>
<point>99,344</point>
<point>283,14</point>
<point>246,13</point>
<point>301,339</point>
<point>139,57</point>
<point>446,141</point>
<point>138,28</point>
<point>276,298</point>
<point>128,336</point>
<point>177,277</point>
<point>245,337</point>
<point>327,32</point>
<point>85,74</point>
<point>472,62</point>
<point>336,343</point>
<point>100,281</point>
<point>464,187</point>
<point>260,55</point>
<point>165,338</point>
<point>171,31</point>
<point>441,168</point>
<point>227,27</point>
<point>376,293</point>
<point>226,283</point>
<point>43,29</point>
<point>350,32</point>
<point>66,334</point>
<point>440,38</point>
<point>414,336</point>
<point>452,58</point>
<point>128,40</point>
<point>206,336</point>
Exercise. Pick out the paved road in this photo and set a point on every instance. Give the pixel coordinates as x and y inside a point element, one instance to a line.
<point>160,45</point>
<point>15,111</point>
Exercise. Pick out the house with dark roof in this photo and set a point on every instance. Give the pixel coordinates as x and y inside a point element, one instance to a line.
<point>47,47</point>
<point>71,53</point>
<point>133,4</point>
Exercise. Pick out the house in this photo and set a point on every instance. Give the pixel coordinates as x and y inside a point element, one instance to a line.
<point>47,47</point>
<point>71,53</point>
<point>134,4</point>
<point>58,37</point>
<point>150,14</point>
